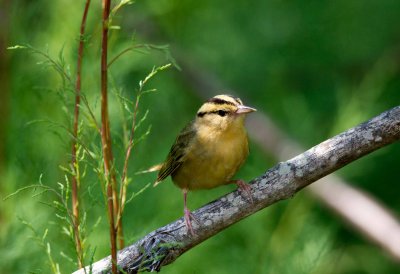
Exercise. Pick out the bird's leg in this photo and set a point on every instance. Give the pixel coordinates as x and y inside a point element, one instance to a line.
<point>244,188</point>
<point>187,214</point>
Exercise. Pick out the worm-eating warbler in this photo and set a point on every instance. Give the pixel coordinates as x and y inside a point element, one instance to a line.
<point>210,149</point>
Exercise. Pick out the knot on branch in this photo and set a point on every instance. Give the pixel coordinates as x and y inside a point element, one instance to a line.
<point>157,250</point>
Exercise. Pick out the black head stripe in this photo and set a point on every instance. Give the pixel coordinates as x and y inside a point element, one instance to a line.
<point>237,100</point>
<point>219,101</point>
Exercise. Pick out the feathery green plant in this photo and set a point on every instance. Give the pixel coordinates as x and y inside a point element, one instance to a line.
<point>87,152</point>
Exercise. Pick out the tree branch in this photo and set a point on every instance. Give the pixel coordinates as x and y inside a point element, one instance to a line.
<point>166,244</point>
<point>330,190</point>
<point>346,200</point>
<point>272,140</point>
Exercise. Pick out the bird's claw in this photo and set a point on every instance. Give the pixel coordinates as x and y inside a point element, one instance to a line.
<point>187,216</point>
<point>245,188</point>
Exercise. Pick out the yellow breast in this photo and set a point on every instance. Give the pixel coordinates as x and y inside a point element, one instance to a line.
<point>213,158</point>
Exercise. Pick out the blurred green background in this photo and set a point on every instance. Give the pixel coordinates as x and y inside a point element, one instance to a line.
<point>316,67</point>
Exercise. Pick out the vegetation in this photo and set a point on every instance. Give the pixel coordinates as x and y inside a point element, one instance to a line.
<point>317,68</point>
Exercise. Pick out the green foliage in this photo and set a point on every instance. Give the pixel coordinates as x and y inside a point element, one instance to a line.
<point>88,154</point>
<point>317,68</point>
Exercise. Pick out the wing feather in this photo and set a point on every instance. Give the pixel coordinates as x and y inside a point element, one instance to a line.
<point>177,153</point>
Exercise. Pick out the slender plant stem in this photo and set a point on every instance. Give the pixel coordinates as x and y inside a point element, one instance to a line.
<point>75,176</point>
<point>137,48</point>
<point>124,181</point>
<point>123,52</point>
<point>106,138</point>
<point>122,193</point>
<point>60,69</point>
<point>132,48</point>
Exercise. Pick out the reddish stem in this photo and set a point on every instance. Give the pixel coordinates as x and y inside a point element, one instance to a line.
<point>106,139</point>
<point>75,180</point>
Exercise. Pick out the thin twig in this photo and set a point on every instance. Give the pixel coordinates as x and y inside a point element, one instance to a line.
<point>283,181</point>
<point>75,177</point>
<point>135,48</point>
<point>132,48</point>
<point>106,138</point>
<point>122,192</point>
<point>60,69</point>
<point>131,144</point>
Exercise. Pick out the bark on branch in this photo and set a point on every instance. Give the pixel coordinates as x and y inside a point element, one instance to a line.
<point>166,244</point>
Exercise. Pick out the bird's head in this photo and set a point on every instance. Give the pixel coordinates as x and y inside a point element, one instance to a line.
<point>222,112</point>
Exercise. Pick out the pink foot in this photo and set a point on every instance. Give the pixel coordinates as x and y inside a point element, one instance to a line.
<point>187,216</point>
<point>244,188</point>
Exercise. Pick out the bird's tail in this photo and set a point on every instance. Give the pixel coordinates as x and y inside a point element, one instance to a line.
<point>152,169</point>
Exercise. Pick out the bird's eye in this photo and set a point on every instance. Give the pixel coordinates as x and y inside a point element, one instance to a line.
<point>221,113</point>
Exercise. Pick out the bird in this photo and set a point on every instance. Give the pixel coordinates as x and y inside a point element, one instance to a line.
<point>209,150</point>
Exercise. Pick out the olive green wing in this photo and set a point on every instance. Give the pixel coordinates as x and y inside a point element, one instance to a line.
<point>177,153</point>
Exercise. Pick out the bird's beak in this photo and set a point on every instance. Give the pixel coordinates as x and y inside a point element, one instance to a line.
<point>244,109</point>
